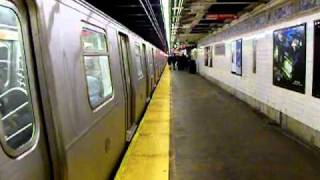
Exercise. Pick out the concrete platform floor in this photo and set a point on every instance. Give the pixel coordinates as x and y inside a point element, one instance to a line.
<point>216,136</point>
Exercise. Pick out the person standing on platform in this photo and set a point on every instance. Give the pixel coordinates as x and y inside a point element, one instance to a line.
<point>179,62</point>
<point>193,64</point>
<point>188,62</point>
<point>182,62</point>
<point>174,61</point>
<point>170,61</point>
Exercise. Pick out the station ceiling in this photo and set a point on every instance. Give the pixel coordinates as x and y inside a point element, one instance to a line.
<point>144,17</point>
<point>193,19</point>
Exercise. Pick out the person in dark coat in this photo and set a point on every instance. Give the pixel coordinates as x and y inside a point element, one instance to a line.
<point>182,62</point>
<point>170,60</point>
<point>179,62</point>
<point>174,61</point>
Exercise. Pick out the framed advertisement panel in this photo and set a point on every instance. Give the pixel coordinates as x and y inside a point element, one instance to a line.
<point>236,60</point>
<point>289,58</point>
<point>316,60</point>
<point>254,56</point>
<point>210,56</point>
<point>206,56</point>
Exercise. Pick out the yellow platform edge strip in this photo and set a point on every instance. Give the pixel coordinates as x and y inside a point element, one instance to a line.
<point>147,157</point>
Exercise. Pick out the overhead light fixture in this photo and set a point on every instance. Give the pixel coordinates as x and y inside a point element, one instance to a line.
<point>165,5</point>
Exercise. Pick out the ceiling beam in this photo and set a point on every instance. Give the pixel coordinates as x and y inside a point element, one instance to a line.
<point>199,9</point>
<point>199,16</point>
<point>153,20</point>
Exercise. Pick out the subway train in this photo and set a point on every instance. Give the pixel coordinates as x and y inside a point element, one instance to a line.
<point>74,84</point>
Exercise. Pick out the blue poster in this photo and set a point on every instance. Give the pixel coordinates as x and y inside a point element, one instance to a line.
<point>237,57</point>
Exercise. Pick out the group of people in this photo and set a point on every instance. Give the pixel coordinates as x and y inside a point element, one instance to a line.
<point>180,62</point>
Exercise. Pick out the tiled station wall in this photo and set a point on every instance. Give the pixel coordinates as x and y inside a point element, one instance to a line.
<point>303,108</point>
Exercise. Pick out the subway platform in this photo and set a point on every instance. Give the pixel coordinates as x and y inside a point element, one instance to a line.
<point>213,135</point>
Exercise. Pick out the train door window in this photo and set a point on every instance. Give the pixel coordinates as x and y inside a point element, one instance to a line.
<point>137,53</point>
<point>17,124</point>
<point>97,67</point>
<point>150,61</point>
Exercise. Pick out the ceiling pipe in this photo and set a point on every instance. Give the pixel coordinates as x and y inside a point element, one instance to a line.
<point>155,26</point>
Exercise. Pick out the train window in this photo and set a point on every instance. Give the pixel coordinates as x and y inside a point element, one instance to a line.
<point>4,63</point>
<point>137,53</point>
<point>17,124</point>
<point>97,68</point>
<point>93,42</point>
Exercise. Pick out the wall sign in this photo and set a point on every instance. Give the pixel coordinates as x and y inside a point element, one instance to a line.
<point>220,49</point>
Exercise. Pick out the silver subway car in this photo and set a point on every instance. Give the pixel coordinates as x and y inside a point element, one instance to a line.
<point>74,84</point>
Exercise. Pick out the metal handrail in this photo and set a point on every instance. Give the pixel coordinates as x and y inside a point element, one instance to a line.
<point>18,132</point>
<point>14,111</point>
<point>13,89</point>
<point>19,107</point>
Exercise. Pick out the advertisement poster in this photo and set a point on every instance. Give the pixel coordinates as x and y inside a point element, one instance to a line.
<point>254,56</point>
<point>236,48</point>
<point>210,56</point>
<point>316,59</point>
<point>289,58</point>
<point>206,56</point>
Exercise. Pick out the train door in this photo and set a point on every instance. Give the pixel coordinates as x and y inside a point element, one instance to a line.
<point>150,69</point>
<point>23,153</point>
<point>144,54</point>
<point>124,52</point>
<point>154,69</point>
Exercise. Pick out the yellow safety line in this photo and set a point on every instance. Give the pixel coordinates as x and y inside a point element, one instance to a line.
<point>147,157</point>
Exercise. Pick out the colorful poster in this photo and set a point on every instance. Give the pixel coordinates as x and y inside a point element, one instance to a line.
<point>316,60</point>
<point>289,58</point>
<point>236,48</point>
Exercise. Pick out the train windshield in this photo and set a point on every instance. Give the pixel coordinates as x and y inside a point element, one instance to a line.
<point>16,112</point>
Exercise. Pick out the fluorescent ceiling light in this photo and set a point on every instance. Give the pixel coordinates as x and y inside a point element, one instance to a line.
<point>165,5</point>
